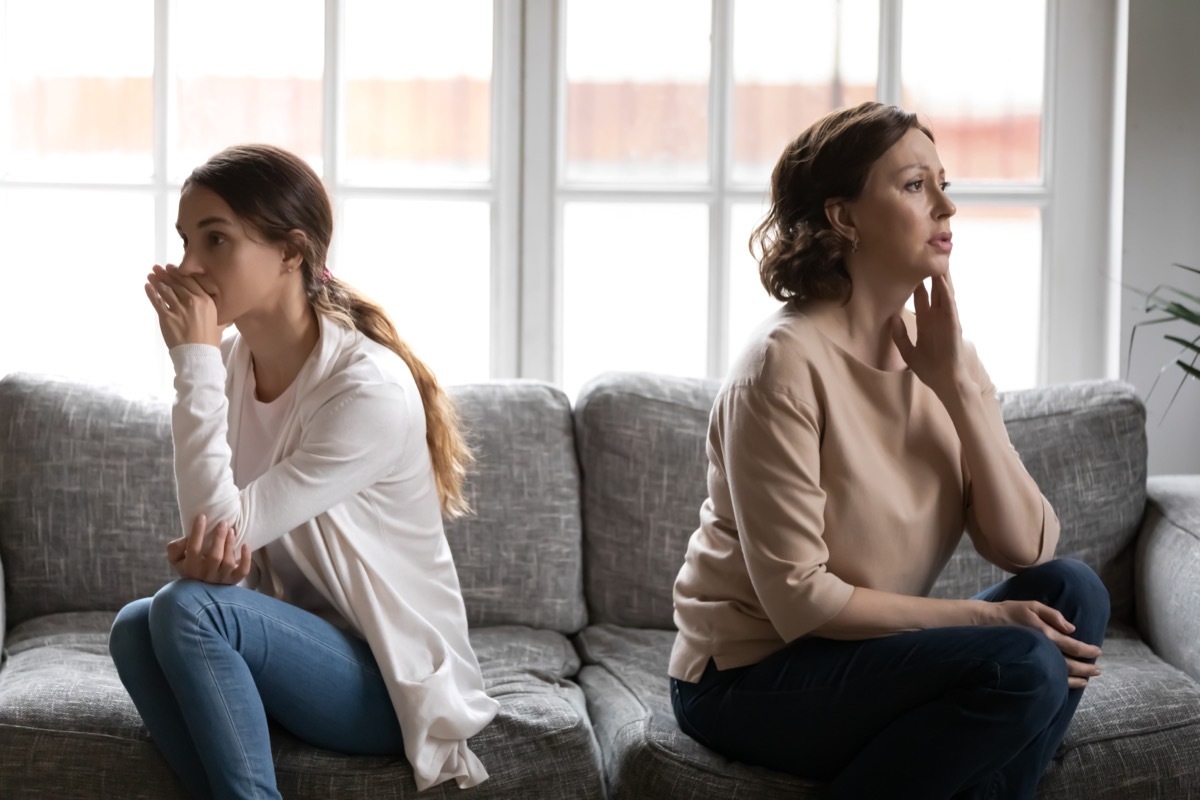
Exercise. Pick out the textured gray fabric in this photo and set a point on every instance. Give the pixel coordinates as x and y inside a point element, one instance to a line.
<point>519,557</point>
<point>68,729</point>
<point>3,621</point>
<point>87,497</point>
<point>641,451</point>
<point>1135,734</point>
<point>1085,445</point>
<point>1167,576</point>
<point>87,502</point>
<point>646,756</point>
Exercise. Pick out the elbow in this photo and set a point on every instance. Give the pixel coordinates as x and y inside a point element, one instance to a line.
<point>1022,553</point>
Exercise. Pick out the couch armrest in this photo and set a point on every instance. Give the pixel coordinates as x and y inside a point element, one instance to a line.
<point>3,619</point>
<point>1167,571</point>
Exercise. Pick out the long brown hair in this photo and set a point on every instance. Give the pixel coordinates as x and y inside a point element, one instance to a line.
<point>799,254</point>
<point>277,192</point>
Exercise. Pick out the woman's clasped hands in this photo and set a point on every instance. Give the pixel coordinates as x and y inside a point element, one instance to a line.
<point>186,313</point>
<point>1056,627</point>
<point>213,557</point>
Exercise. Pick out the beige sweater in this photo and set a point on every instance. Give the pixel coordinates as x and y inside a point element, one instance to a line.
<point>824,474</point>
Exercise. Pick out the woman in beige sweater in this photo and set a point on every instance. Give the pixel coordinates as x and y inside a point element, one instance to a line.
<point>850,445</point>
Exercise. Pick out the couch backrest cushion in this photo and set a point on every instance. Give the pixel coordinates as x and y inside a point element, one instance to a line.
<point>1085,445</point>
<point>519,556</point>
<point>641,443</point>
<point>641,449</point>
<point>87,496</point>
<point>87,501</point>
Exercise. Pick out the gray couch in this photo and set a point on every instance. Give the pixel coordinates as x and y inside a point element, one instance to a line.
<point>583,516</point>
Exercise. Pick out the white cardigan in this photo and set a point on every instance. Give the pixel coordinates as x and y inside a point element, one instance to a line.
<point>350,493</point>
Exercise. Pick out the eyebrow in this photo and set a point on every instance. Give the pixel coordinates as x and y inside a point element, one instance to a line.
<point>208,221</point>
<point>918,166</point>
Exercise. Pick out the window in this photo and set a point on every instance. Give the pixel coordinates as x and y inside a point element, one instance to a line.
<point>664,160</point>
<point>102,120</point>
<point>544,188</point>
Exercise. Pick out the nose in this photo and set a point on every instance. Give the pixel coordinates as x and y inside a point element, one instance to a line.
<point>189,265</point>
<point>945,206</point>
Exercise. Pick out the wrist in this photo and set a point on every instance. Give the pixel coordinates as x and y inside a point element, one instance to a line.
<point>980,613</point>
<point>956,390</point>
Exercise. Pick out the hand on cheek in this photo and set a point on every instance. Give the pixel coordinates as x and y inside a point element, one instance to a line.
<point>937,355</point>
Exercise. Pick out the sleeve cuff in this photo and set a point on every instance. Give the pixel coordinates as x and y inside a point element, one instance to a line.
<point>197,361</point>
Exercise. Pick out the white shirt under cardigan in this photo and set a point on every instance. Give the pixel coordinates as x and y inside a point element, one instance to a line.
<point>350,497</point>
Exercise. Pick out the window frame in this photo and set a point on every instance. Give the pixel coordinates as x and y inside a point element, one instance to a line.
<point>526,192</point>
<point>1072,193</point>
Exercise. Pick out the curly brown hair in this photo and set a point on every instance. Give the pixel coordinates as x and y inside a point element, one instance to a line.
<point>799,254</point>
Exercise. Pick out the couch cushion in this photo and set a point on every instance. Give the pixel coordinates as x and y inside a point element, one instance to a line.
<point>87,501</point>
<point>641,445</point>
<point>519,556</point>
<point>69,730</point>
<point>1085,445</point>
<point>1136,732</point>
<point>87,496</point>
<point>641,451</point>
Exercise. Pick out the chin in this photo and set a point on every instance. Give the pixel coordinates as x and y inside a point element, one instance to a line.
<point>939,266</point>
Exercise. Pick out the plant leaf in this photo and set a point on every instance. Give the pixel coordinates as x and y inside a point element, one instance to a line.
<point>1195,348</point>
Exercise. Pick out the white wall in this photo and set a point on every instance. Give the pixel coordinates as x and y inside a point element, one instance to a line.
<point>1161,218</point>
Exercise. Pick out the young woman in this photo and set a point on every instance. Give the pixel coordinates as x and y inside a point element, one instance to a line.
<point>314,458</point>
<point>848,448</point>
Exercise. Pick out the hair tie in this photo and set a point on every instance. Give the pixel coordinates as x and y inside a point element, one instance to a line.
<point>326,276</point>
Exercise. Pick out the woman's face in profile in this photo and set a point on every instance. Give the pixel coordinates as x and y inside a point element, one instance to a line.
<point>903,215</point>
<point>230,260</point>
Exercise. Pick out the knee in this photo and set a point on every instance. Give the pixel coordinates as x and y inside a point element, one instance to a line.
<point>176,607</point>
<point>1074,576</point>
<point>1032,672</point>
<point>1084,598</point>
<point>129,638</point>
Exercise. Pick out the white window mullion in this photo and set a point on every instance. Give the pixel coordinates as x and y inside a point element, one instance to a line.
<point>1049,114</point>
<point>160,99</point>
<point>506,192</point>
<point>1080,74</point>
<point>331,91</point>
<point>160,91</point>
<point>888,87</point>
<point>540,265</point>
<point>720,130</point>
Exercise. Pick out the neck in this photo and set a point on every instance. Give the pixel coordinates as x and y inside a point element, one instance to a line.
<point>279,344</point>
<point>863,325</point>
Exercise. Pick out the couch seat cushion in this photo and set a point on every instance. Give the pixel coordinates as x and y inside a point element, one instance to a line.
<point>69,730</point>
<point>1135,734</point>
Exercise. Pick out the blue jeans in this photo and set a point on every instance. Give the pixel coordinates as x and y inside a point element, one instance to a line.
<point>207,665</point>
<point>962,712</point>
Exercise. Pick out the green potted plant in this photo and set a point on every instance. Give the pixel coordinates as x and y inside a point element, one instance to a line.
<point>1172,304</point>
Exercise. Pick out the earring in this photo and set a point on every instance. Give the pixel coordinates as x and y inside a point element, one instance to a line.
<point>854,245</point>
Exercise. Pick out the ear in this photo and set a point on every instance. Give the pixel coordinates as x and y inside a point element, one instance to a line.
<point>840,213</point>
<point>293,249</point>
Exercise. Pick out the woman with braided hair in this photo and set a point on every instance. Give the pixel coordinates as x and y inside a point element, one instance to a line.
<point>315,457</point>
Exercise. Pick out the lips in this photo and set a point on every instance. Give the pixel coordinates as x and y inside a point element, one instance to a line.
<point>942,242</point>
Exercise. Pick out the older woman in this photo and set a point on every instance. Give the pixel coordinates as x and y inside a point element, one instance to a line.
<point>848,448</point>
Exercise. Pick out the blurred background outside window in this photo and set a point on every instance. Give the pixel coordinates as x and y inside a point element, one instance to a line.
<point>666,117</point>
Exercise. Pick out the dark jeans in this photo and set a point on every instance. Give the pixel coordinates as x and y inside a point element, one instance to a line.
<point>963,712</point>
